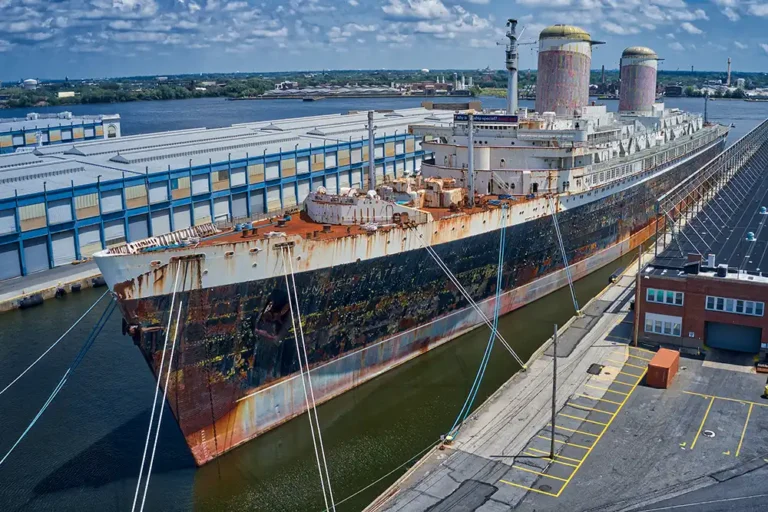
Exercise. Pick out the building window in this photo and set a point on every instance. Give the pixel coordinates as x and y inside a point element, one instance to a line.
<point>737,306</point>
<point>664,297</point>
<point>663,324</point>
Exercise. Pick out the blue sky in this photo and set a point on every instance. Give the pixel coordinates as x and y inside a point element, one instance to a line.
<point>97,38</point>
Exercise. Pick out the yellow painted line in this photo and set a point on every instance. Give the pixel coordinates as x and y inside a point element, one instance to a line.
<point>581,419</point>
<point>630,374</point>
<point>711,401</point>
<point>605,389</point>
<point>600,436</point>
<point>556,456</point>
<point>626,364</point>
<point>624,383</point>
<point>598,399</point>
<point>529,488</point>
<point>565,443</point>
<point>638,357</point>
<point>550,460</point>
<point>521,468</point>
<point>573,430</point>
<point>588,409</point>
<point>643,350</point>
<point>744,430</point>
<point>725,398</point>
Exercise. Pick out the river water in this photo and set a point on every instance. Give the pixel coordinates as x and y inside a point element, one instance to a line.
<point>85,452</point>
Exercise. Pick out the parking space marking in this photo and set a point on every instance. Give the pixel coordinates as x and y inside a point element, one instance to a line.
<point>643,350</point>
<point>564,442</point>
<point>550,460</point>
<point>582,419</point>
<point>529,488</point>
<point>588,409</point>
<point>624,383</point>
<point>598,399</point>
<point>638,357</point>
<point>725,398</point>
<point>573,430</point>
<point>521,468</point>
<point>605,389</point>
<point>744,430</point>
<point>631,375</point>
<point>711,401</point>
<point>626,364</point>
<point>556,456</point>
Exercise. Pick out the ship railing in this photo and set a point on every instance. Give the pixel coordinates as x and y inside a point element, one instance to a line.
<point>174,239</point>
<point>230,222</point>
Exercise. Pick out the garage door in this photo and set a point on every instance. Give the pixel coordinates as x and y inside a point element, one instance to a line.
<point>114,232</point>
<point>202,213</point>
<point>63,248</point>
<point>137,228</point>
<point>257,202</point>
<point>10,265</point>
<point>181,217</point>
<point>161,222</point>
<point>221,209</point>
<point>90,240</point>
<point>36,254</point>
<point>239,206</point>
<point>740,338</point>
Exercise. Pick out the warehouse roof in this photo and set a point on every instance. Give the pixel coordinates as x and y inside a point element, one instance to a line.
<point>37,121</point>
<point>733,226</point>
<point>157,152</point>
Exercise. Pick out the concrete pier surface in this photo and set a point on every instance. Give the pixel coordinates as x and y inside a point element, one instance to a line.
<point>45,283</point>
<point>619,445</point>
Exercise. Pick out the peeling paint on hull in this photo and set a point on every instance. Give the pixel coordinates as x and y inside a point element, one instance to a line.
<point>235,369</point>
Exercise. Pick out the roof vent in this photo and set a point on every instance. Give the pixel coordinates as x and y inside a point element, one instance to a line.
<point>432,117</point>
<point>272,127</point>
<point>74,150</point>
<point>317,131</point>
<point>119,159</point>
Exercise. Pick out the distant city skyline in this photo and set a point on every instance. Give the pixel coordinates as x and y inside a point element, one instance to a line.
<point>114,38</point>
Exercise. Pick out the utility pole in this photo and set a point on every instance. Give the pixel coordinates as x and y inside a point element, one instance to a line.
<point>637,293</point>
<point>554,394</point>
<point>471,158</point>
<point>371,154</point>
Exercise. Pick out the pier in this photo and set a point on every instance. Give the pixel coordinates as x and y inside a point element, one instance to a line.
<point>608,442</point>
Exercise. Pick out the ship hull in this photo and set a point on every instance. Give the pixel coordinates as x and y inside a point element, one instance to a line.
<point>235,371</point>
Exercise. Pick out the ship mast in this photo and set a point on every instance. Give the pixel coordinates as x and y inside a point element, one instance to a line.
<point>512,67</point>
<point>371,159</point>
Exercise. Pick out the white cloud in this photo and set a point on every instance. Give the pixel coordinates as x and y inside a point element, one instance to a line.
<point>479,2</point>
<point>670,36</point>
<point>5,45</point>
<point>353,3</point>
<point>759,9</point>
<point>545,3</point>
<point>731,14</point>
<point>691,28</point>
<point>482,43</point>
<point>266,33</point>
<point>235,6</point>
<point>622,30</point>
<point>740,45</point>
<point>764,47</point>
<point>677,46</point>
<point>391,38</point>
<point>356,27</point>
<point>416,9</point>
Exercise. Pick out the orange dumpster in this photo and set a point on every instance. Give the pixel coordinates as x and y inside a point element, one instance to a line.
<point>662,368</point>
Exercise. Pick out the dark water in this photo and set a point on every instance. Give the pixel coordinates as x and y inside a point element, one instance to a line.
<point>85,452</point>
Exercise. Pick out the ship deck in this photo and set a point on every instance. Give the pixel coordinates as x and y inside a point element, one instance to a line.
<point>301,224</point>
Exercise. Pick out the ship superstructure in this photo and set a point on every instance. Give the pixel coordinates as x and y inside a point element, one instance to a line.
<point>370,295</point>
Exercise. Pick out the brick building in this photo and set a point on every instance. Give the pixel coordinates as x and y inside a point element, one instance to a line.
<point>718,306</point>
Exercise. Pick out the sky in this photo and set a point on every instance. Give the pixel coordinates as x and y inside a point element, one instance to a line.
<point>108,38</point>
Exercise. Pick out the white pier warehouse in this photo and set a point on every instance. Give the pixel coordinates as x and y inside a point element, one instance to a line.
<point>64,202</point>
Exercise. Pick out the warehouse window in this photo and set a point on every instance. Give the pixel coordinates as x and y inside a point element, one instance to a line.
<point>737,306</point>
<point>664,297</point>
<point>663,324</point>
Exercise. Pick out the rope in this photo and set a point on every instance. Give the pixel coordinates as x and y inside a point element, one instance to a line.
<point>157,387</point>
<point>54,344</point>
<point>468,298</point>
<point>467,407</point>
<point>303,383</point>
<point>75,363</point>
<point>565,257</point>
<point>165,394</point>
<point>309,378</point>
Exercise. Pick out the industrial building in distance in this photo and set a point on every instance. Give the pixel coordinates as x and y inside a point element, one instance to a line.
<point>62,203</point>
<point>51,129</point>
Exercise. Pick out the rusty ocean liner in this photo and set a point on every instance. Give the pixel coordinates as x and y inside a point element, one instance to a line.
<point>370,295</point>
